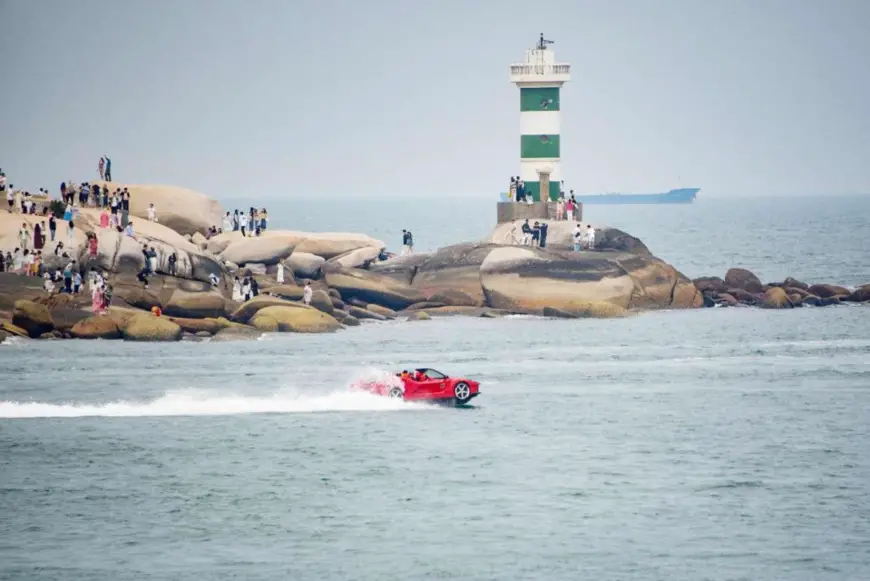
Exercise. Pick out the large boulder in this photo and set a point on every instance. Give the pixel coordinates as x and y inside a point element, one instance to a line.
<point>359,258</point>
<point>304,264</point>
<point>14,287</point>
<point>183,210</point>
<point>32,317</point>
<point>452,268</point>
<point>860,294</point>
<point>373,288</point>
<point>776,298</point>
<point>401,268</point>
<point>265,250</point>
<point>287,291</point>
<point>146,327</point>
<point>196,305</point>
<point>711,284</point>
<point>383,311</point>
<point>298,319</point>
<point>826,291</point>
<point>321,301</point>
<point>360,314</point>
<point>66,318</point>
<point>743,279</point>
<point>331,244</point>
<point>96,327</point>
<point>249,308</point>
<point>525,279</point>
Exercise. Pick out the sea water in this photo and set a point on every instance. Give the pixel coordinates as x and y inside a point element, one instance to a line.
<point>712,444</point>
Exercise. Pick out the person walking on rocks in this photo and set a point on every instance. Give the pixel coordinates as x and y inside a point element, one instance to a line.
<point>307,293</point>
<point>407,242</point>
<point>101,167</point>
<point>243,223</point>
<point>108,174</point>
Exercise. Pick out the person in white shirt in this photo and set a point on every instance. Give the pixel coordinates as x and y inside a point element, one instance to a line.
<point>590,237</point>
<point>577,233</point>
<point>237,290</point>
<point>214,279</point>
<point>280,276</point>
<point>47,283</point>
<point>306,294</point>
<point>228,223</point>
<point>152,213</point>
<point>243,223</point>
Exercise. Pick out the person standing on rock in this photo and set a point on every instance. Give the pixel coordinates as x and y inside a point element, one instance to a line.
<point>527,233</point>
<point>542,242</point>
<point>38,240</point>
<point>10,199</point>
<point>279,277</point>
<point>569,208</point>
<point>173,264</point>
<point>307,293</point>
<point>108,174</point>
<point>101,167</point>
<point>560,207</point>
<point>577,234</point>
<point>590,237</point>
<point>70,233</point>
<point>246,289</point>
<point>264,220</point>
<point>52,226</point>
<point>237,290</point>
<point>407,242</point>
<point>68,277</point>
<point>243,223</point>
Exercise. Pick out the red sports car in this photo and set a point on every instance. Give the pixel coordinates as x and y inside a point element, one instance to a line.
<point>425,384</point>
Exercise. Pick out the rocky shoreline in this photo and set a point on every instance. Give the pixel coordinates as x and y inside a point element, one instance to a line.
<point>489,278</point>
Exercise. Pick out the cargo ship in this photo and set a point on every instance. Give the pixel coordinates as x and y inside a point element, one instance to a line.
<point>679,196</point>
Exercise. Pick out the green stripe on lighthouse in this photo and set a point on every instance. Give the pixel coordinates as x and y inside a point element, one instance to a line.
<point>536,146</point>
<point>539,99</point>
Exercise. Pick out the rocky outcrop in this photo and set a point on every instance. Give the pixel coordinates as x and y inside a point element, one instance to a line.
<point>96,327</point>
<point>361,313</point>
<point>383,311</point>
<point>710,284</point>
<point>184,211</point>
<point>740,278</point>
<point>454,268</point>
<point>32,317</point>
<point>146,327</point>
<point>300,319</point>
<point>526,279</point>
<point>373,288</point>
<point>860,294</point>
<point>211,326</point>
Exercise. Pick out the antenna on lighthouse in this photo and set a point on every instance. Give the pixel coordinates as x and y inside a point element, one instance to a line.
<point>542,44</point>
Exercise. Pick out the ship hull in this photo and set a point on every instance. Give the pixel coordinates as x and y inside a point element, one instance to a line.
<point>681,196</point>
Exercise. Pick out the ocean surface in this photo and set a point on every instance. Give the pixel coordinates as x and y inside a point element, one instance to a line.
<point>716,444</point>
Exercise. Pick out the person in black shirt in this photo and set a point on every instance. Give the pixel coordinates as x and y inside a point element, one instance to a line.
<point>543,240</point>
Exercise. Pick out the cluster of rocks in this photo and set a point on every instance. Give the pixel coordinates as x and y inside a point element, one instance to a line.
<point>350,284</point>
<point>741,287</point>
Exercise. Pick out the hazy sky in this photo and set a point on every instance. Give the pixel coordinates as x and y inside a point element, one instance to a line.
<point>411,98</point>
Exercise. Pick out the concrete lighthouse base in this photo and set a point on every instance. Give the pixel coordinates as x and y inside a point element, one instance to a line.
<point>510,211</point>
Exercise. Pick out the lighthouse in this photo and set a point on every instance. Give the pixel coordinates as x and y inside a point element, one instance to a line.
<point>540,79</point>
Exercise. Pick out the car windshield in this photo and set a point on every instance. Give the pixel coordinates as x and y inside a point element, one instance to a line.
<point>432,374</point>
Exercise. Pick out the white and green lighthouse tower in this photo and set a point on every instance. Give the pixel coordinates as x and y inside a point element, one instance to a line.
<point>540,79</point>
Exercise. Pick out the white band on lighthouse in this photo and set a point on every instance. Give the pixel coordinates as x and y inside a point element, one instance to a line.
<point>540,79</point>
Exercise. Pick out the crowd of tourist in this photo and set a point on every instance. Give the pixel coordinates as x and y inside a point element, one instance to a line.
<point>251,223</point>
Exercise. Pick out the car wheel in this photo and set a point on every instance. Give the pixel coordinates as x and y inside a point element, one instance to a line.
<point>396,393</point>
<point>462,391</point>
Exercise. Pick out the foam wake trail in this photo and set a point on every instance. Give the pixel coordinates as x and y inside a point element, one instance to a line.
<point>204,403</point>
